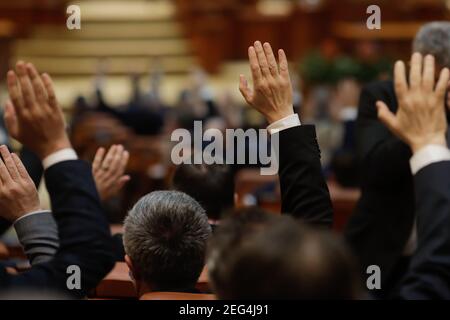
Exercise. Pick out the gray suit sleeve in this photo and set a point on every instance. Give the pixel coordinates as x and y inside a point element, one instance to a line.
<point>38,235</point>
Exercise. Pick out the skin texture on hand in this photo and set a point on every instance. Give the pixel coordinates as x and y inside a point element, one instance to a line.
<point>18,194</point>
<point>420,119</point>
<point>272,88</point>
<point>109,171</point>
<point>33,116</point>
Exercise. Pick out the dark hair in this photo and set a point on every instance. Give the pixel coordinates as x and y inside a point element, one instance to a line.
<point>165,236</point>
<point>211,185</point>
<point>238,225</point>
<point>288,260</point>
<point>433,38</point>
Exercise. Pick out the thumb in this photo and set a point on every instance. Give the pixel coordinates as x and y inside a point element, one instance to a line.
<point>122,181</point>
<point>10,118</point>
<point>387,117</point>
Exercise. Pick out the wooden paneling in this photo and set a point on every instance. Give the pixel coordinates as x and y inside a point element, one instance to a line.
<point>222,30</point>
<point>26,14</point>
<point>18,17</point>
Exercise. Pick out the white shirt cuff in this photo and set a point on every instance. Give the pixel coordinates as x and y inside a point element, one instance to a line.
<point>427,155</point>
<point>59,156</point>
<point>288,122</point>
<point>30,214</point>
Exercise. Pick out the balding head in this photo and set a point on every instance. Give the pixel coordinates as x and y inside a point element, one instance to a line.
<point>288,260</point>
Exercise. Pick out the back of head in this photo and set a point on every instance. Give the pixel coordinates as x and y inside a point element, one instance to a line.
<point>290,261</point>
<point>434,38</point>
<point>211,185</point>
<point>239,225</point>
<point>165,237</point>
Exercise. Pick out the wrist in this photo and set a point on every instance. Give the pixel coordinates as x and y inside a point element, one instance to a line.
<point>24,211</point>
<point>28,212</point>
<point>438,139</point>
<point>54,146</point>
<point>274,117</point>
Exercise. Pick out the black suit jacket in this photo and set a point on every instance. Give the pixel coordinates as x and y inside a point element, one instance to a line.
<point>304,192</point>
<point>85,239</point>
<point>382,222</point>
<point>428,276</point>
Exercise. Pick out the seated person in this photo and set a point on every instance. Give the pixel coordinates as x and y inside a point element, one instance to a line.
<point>234,229</point>
<point>384,216</point>
<point>420,122</point>
<point>38,233</point>
<point>304,192</point>
<point>303,195</point>
<point>211,185</point>
<point>280,258</point>
<point>34,118</point>
<point>165,238</point>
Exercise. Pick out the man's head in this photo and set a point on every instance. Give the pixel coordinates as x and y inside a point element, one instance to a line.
<point>287,260</point>
<point>165,240</point>
<point>211,185</point>
<point>239,225</point>
<point>434,38</point>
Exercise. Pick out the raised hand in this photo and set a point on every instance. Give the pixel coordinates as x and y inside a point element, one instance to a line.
<point>33,115</point>
<point>420,118</point>
<point>109,170</point>
<point>18,194</point>
<point>272,88</point>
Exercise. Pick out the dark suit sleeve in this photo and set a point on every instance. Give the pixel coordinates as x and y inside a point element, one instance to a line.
<point>4,226</point>
<point>85,239</point>
<point>428,276</point>
<point>381,154</point>
<point>34,167</point>
<point>304,193</point>
<point>384,215</point>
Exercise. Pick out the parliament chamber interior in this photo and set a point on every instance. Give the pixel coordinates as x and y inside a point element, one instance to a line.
<point>128,74</point>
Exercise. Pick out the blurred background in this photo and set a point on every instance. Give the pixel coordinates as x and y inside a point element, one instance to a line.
<point>139,69</point>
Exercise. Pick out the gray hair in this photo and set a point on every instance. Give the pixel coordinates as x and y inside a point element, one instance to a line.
<point>434,38</point>
<point>165,236</point>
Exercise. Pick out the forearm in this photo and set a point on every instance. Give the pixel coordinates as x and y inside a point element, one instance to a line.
<point>33,164</point>
<point>38,235</point>
<point>85,240</point>
<point>37,231</point>
<point>304,192</point>
<point>429,272</point>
